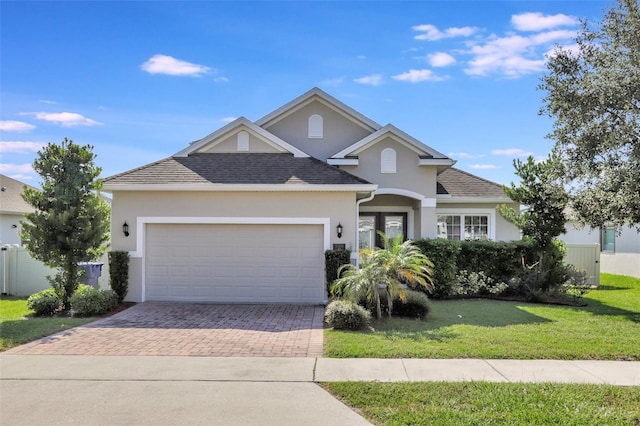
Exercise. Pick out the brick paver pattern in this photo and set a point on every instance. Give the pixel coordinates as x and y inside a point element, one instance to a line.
<point>193,330</point>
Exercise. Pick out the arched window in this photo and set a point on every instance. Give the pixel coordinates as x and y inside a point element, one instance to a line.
<point>243,141</point>
<point>388,161</point>
<point>316,127</point>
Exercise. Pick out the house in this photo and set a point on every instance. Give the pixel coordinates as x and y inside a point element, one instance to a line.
<point>12,209</point>
<point>619,248</point>
<point>246,213</point>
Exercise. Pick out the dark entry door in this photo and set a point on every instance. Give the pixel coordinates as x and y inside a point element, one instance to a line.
<point>390,223</point>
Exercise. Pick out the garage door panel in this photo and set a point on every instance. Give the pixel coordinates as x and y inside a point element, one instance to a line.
<point>235,263</point>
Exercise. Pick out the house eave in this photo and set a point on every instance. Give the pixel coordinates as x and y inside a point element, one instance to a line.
<point>436,162</point>
<point>448,199</point>
<point>343,161</point>
<point>212,187</point>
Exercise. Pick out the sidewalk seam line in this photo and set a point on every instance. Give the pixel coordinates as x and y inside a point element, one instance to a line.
<point>404,367</point>
<point>486,361</point>
<point>602,381</point>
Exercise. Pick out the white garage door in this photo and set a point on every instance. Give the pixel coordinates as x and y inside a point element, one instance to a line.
<point>234,263</point>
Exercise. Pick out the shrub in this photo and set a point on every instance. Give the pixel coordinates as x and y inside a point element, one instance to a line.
<point>333,260</point>
<point>45,302</point>
<point>415,305</point>
<point>444,254</point>
<point>345,315</point>
<point>88,301</point>
<point>119,273</point>
<point>476,284</point>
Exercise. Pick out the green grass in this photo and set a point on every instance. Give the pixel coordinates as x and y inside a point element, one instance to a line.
<point>18,327</point>
<point>607,328</point>
<point>482,403</point>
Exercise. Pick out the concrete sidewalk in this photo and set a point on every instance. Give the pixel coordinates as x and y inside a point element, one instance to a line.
<point>168,390</point>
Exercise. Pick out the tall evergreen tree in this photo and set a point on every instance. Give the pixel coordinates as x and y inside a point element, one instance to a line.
<point>593,94</point>
<point>71,222</point>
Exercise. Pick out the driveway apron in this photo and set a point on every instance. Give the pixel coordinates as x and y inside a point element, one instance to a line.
<point>189,329</point>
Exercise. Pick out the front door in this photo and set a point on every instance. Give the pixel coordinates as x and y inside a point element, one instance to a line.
<point>369,224</point>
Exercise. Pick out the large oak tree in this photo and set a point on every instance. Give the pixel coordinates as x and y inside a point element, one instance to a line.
<point>593,95</point>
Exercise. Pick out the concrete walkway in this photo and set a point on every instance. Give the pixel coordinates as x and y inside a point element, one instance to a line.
<point>159,390</point>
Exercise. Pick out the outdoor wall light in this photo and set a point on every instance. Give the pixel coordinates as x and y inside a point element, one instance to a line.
<point>125,229</point>
<point>339,229</point>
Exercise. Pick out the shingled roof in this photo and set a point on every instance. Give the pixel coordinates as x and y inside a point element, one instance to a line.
<point>11,196</point>
<point>457,183</point>
<point>237,168</point>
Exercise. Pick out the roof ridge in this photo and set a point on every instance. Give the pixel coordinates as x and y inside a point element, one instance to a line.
<point>126,172</point>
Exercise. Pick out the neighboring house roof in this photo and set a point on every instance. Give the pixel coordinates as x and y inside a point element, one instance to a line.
<point>326,99</point>
<point>457,184</point>
<point>235,171</point>
<point>11,196</point>
<point>428,155</point>
<point>242,122</point>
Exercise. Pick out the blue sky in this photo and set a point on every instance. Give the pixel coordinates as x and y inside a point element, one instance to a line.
<point>140,80</point>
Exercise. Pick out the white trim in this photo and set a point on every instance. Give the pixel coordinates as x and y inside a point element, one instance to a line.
<point>324,98</point>
<point>398,191</point>
<point>429,203</point>
<point>238,187</point>
<point>436,162</point>
<point>491,213</point>
<point>448,199</point>
<point>393,209</point>
<point>342,161</point>
<point>241,122</point>
<point>141,230</point>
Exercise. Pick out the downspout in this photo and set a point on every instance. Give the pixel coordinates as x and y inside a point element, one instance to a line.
<point>372,194</point>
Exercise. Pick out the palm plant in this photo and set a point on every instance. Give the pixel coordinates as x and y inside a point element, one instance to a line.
<point>388,269</point>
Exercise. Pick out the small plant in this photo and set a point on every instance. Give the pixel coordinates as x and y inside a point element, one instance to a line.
<point>88,301</point>
<point>119,273</point>
<point>346,315</point>
<point>45,302</point>
<point>416,304</point>
<point>476,284</point>
<point>577,285</point>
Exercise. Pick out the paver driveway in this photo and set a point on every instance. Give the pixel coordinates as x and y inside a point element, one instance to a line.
<point>193,329</point>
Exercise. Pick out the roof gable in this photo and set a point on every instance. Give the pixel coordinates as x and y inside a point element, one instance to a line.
<point>11,200</point>
<point>236,126</point>
<point>457,184</point>
<point>318,95</point>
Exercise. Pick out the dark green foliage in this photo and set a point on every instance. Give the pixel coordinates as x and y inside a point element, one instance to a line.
<point>477,284</point>
<point>593,96</point>
<point>44,303</point>
<point>88,301</point>
<point>71,222</point>
<point>415,305</point>
<point>119,273</point>
<point>500,260</point>
<point>333,260</point>
<point>444,255</point>
<point>346,315</point>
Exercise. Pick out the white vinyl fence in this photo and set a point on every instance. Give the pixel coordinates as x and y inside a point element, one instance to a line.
<point>585,257</point>
<point>22,275</point>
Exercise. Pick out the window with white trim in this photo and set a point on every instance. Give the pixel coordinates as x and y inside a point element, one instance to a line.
<point>464,226</point>
<point>316,127</point>
<point>608,239</point>
<point>243,141</point>
<point>388,161</point>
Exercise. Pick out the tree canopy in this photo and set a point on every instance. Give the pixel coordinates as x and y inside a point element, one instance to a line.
<point>593,95</point>
<point>71,222</point>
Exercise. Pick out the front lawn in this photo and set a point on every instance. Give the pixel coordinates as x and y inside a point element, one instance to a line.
<point>608,328</point>
<point>475,403</point>
<point>18,327</point>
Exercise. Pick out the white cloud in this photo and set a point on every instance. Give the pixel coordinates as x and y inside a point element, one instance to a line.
<point>361,57</point>
<point>228,119</point>
<point>536,21</point>
<point>15,126</point>
<point>65,119</point>
<point>512,152</point>
<point>372,80</point>
<point>440,59</point>
<point>21,147</point>
<point>46,101</point>
<point>514,55</point>
<point>16,169</point>
<point>163,64</point>
<point>416,76</point>
<point>333,82</point>
<point>483,166</point>
<point>464,155</point>
<point>221,80</point>
<point>432,33</point>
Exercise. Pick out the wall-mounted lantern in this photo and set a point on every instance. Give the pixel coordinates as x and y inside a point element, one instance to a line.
<point>125,229</point>
<point>339,229</point>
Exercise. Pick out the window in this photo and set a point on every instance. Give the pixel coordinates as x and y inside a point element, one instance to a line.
<point>369,224</point>
<point>608,239</point>
<point>464,227</point>
<point>388,161</point>
<point>316,127</point>
<point>243,141</point>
